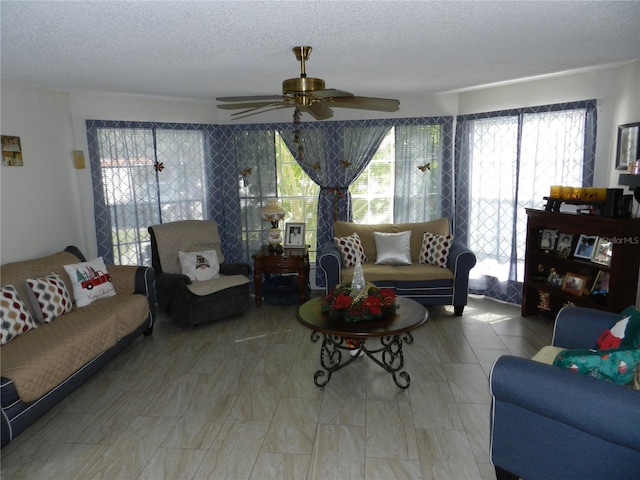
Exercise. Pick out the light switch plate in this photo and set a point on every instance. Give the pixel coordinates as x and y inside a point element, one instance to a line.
<point>78,158</point>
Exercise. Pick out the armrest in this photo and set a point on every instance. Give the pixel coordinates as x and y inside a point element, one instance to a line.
<point>461,260</point>
<point>597,407</point>
<point>236,268</point>
<point>329,262</point>
<point>172,281</point>
<point>579,327</point>
<point>134,279</point>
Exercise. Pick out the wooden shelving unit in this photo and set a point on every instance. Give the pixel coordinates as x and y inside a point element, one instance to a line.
<point>623,269</point>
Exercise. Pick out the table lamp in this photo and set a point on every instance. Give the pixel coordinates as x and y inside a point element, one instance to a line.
<point>273,213</point>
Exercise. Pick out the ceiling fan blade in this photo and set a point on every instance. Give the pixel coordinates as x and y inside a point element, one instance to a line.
<point>252,111</point>
<point>332,93</point>
<point>235,106</point>
<point>318,110</point>
<point>254,98</point>
<point>367,103</point>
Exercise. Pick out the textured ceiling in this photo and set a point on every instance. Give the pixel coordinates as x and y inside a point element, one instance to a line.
<point>203,49</point>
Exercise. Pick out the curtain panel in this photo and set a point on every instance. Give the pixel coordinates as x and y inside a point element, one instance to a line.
<point>505,162</point>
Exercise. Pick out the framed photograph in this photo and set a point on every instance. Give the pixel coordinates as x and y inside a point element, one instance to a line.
<point>602,251</point>
<point>573,283</point>
<point>548,239</point>
<point>601,284</point>
<point>565,244</point>
<point>585,246</point>
<point>11,151</point>
<point>627,150</point>
<point>294,235</point>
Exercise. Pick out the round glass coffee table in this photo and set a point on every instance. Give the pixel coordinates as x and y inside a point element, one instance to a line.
<point>343,342</point>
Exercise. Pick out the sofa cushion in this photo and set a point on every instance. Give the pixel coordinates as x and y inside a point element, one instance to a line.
<point>393,248</point>
<point>90,281</point>
<point>435,249</point>
<point>15,319</point>
<point>49,296</point>
<point>200,266</point>
<point>350,248</point>
<point>43,358</point>
<point>365,232</point>
<point>408,273</point>
<point>214,285</point>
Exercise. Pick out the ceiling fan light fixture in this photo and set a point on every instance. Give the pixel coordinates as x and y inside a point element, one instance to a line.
<point>304,85</point>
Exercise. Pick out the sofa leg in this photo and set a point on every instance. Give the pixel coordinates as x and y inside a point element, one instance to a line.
<point>148,331</point>
<point>502,474</point>
<point>457,310</point>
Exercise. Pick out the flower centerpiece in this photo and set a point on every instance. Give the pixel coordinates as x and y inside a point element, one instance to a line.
<point>369,303</point>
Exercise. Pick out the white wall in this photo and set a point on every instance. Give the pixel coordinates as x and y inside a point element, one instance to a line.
<point>40,206</point>
<point>54,124</point>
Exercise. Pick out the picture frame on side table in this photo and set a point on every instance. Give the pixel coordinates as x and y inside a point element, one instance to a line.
<point>573,283</point>
<point>601,284</point>
<point>585,246</point>
<point>627,149</point>
<point>294,235</point>
<point>602,251</point>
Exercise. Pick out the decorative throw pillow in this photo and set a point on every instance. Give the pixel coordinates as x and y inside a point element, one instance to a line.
<point>393,248</point>
<point>90,281</point>
<point>616,365</point>
<point>14,316</point>
<point>350,247</point>
<point>625,333</point>
<point>200,266</point>
<point>435,249</point>
<point>49,296</point>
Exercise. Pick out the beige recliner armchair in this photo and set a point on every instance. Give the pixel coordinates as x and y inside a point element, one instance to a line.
<point>186,297</point>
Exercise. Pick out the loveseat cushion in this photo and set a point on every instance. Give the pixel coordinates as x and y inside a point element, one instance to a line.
<point>365,232</point>
<point>406,273</point>
<point>43,358</point>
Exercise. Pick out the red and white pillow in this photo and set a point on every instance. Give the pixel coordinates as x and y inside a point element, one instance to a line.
<point>90,281</point>
<point>15,319</point>
<point>350,247</point>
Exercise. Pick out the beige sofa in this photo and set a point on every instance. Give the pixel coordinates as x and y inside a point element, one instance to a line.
<point>427,284</point>
<point>45,364</point>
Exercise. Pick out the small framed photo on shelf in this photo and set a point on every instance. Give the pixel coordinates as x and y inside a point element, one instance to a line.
<point>602,251</point>
<point>565,244</point>
<point>555,279</point>
<point>585,246</point>
<point>573,283</point>
<point>294,235</point>
<point>544,301</point>
<point>601,284</point>
<point>548,239</point>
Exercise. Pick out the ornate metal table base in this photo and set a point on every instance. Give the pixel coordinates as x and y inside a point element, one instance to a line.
<point>389,355</point>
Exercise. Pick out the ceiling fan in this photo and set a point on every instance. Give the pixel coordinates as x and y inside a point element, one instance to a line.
<point>305,94</point>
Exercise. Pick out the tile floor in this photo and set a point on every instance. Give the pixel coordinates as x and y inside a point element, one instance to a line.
<point>236,400</point>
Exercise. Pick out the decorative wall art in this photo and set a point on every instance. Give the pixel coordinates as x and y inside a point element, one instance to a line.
<point>11,151</point>
<point>628,140</point>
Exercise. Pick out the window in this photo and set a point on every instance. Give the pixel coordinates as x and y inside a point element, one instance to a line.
<point>137,194</point>
<point>506,163</point>
<point>372,193</point>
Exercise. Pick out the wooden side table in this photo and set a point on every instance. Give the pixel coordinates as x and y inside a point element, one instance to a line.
<point>292,260</point>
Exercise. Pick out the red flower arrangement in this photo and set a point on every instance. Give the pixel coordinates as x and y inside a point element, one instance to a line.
<point>369,304</point>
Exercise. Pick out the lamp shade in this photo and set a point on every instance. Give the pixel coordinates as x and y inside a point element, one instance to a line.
<point>272,212</point>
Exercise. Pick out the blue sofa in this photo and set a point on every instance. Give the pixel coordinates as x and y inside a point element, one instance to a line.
<point>426,284</point>
<point>548,422</point>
